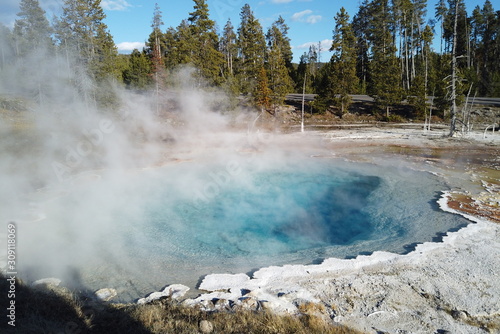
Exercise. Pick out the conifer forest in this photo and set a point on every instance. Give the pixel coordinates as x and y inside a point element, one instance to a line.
<point>386,50</point>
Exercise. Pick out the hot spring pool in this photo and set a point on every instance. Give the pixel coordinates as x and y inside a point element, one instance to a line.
<point>139,231</point>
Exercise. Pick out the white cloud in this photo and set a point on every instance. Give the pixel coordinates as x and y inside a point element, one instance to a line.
<point>281,1</point>
<point>300,15</point>
<point>118,5</point>
<point>326,44</point>
<point>129,46</point>
<point>314,19</point>
<point>305,16</point>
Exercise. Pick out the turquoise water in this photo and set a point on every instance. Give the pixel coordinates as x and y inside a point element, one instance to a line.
<point>141,231</point>
<point>279,212</point>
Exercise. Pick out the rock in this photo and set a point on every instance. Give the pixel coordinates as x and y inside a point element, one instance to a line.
<point>175,291</point>
<point>222,304</point>
<point>207,305</point>
<point>47,282</point>
<point>106,294</point>
<point>152,297</point>
<point>206,326</point>
<point>459,315</point>
<point>246,303</point>
<point>275,305</point>
<point>266,305</point>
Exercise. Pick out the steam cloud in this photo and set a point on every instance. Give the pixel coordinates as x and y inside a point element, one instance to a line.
<point>72,170</point>
<point>78,178</point>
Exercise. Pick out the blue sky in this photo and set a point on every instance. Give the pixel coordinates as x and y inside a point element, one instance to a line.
<point>129,21</point>
<point>310,21</point>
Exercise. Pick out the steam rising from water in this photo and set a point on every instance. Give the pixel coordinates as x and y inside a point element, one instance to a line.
<point>94,208</point>
<point>56,139</point>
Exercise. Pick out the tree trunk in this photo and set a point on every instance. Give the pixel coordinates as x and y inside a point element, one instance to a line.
<point>407,65</point>
<point>413,50</point>
<point>453,95</point>
<point>303,102</point>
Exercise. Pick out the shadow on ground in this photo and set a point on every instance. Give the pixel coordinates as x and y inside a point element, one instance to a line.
<point>46,309</point>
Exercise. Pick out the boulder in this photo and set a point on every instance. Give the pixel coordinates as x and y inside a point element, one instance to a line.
<point>206,326</point>
<point>106,294</point>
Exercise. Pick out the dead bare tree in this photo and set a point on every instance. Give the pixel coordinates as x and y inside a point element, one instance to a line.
<point>453,95</point>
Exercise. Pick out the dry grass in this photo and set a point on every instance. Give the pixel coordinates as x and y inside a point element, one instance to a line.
<point>164,317</point>
<point>489,324</point>
<point>57,310</point>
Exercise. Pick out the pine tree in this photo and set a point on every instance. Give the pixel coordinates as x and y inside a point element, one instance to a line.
<point>307,70</point>
<point>487,51</point>
<point>360,25</point>
<point>179,45</point>
<point>384,67</point>
<point>417,97</point>
<point>33,45</point>
<point>420,84</point>
<point>440,13</point>
<point>156,45</point>
<point>155,50</point>
<point>453,85</point>
<point>206,57</point>
<point>343,62</point>
<point>81,30</point>
<point>261,92</point>
<point>313,55</point>
<point>283,41</point>
<point>32,30</point>
<point>137,75</point>
<point>463,28</point>
<point>105,64</point>
<point>7,49</point>
<point>403,19</point>
<point>229,49</point>
<point>251,50</point>
<point>280,81</point>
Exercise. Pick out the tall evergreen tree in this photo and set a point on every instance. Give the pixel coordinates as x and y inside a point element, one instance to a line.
<point>33,45</point>
<point>384,66</point>
<point>440,14</point>
<point>229,49</point>
<point>403,17</point>
<point>279,50</point>
<point>261,91</point>
<point>463,29</point>
<point>488,35</point>
<point>156,50</point>
<point>283,41</point>
<point>179,45</point>
<point>360,25</point>
<point>81,29</point>
<point>343,62</point>
<point>156,43</point>
<point>251,50</point>
<point>138,74</point>
<point>454,78</point>
<point>307,71</point>
<point>7,49</point>
<point>32,30</point>
<point>206,56</point>
<point>427,37</point>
